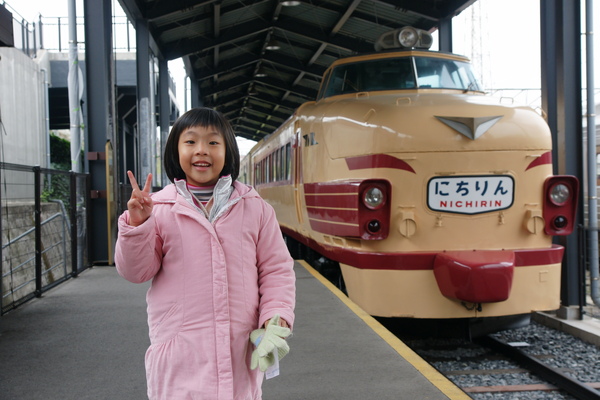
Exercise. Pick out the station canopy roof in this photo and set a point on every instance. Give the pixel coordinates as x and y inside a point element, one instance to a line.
<point>226,46</point>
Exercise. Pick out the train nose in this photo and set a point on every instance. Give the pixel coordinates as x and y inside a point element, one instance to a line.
<point>475,276</point>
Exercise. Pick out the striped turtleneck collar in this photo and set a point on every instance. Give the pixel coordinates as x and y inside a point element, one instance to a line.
<point>217,204</point>
<point>202,193</point>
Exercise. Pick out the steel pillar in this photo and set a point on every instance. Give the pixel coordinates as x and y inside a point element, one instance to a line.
<point>562,102</point>
<point>445,35</point>
<point>145,102</point>
<point>195,93</point>
<point>100,117</point>
<point>165,111</point>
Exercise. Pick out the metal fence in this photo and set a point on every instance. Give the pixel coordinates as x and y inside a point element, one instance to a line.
<point>45,225</point>
<point>25,36</point>
<point>52,33</point>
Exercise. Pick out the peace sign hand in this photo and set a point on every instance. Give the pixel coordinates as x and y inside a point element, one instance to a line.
<point>140,204</point>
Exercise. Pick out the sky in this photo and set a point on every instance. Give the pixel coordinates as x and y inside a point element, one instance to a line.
<point>506,53</point>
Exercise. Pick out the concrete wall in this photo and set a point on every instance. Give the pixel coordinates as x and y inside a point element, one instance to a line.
<point>18,258</point>
<point>22,109</point>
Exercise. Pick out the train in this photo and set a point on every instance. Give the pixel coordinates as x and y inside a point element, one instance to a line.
<point>420,196</point>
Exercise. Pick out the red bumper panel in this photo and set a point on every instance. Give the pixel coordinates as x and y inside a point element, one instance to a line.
<point>475,276</point>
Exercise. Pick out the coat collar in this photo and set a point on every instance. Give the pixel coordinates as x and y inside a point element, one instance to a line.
<point>226,194</point>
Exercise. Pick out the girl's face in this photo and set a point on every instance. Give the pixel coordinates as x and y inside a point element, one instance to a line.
<point>201,155</point>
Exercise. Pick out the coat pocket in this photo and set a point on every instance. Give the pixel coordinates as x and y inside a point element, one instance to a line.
<point>168,325</point>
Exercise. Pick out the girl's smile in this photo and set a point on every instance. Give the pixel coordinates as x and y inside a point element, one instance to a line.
<point>201,155</point>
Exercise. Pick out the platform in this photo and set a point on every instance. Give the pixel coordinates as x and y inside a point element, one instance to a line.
<point>86,339</point>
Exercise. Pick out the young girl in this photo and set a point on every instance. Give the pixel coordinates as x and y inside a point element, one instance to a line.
<point>218,264</point>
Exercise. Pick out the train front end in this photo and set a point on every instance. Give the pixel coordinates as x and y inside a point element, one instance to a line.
<point>436,200</point>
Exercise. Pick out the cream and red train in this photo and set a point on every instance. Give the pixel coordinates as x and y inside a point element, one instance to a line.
<point>437,201</point>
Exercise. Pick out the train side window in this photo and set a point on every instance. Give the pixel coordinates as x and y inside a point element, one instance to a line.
<point>275,166</point>
<point>288,168</point>
<point>282,160</point>
<point>283,164</point>
<point>279,164</point>
<point>271,168</point>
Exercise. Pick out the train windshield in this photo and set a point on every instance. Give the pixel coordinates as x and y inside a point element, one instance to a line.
<point>400,74</point>
<point>439,73</point>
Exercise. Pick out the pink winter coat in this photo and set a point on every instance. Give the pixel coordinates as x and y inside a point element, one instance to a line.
<point>212,284</point>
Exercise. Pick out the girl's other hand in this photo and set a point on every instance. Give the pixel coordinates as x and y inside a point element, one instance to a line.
<point>140,203</point>
<point>282,322</point>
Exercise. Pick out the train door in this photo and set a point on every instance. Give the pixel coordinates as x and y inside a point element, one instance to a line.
<point>297,154</point>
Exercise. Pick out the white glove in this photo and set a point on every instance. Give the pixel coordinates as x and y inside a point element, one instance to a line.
<point>267,341</point>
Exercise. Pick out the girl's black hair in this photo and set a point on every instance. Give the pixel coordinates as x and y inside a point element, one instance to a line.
<point>203,117</point>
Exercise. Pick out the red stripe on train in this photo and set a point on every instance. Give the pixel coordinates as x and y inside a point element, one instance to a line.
<point>339,201</point>
<point>545,158</point>
<point>377,161</point>
<point>332,187</point>
<point>416,261</point>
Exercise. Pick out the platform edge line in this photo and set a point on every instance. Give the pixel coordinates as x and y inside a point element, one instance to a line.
<point>445,385</point>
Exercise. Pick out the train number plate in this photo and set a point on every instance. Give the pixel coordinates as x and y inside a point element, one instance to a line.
<point>475,194</point>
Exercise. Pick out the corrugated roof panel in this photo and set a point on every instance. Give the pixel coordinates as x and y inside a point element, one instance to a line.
<point>193,29</point>
<point>260,11</point>
<point>185,14</point>
<point>323,19</point>
<point>182,28</point>
<point>363,29</point>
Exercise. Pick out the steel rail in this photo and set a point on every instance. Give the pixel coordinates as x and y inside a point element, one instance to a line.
<point>578,389</point>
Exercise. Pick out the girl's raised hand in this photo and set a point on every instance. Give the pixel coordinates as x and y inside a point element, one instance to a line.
<point>140,203</point>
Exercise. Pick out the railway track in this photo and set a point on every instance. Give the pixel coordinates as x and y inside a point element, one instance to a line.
<point>557,379</point>
<point>491,368</point>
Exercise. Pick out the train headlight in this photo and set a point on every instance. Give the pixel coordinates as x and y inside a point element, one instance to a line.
<point>408,37</point>
<point>373,198</point>
<point>560,204</point>
<point>559,194</point>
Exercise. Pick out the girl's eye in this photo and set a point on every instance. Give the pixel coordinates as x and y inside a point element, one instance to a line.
<point>214,142</point>
<point>189,142</point>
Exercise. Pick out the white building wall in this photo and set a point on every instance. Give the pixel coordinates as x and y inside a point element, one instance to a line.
<point>22,109</point>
